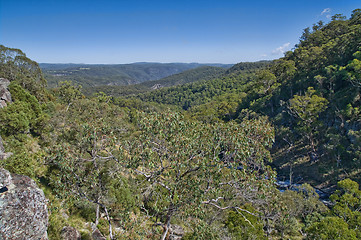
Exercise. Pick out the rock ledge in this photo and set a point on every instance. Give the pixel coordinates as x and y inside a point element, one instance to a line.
<point>23,209</point>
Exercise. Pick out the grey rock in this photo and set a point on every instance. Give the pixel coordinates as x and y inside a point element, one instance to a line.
<point>64,214</point>
<point>23,209</point>
<point>96,234</point>
<point>176,232</point>
<point>5,178</point>
<point>156,86</point>
<point>2,149</point>
<point>70,233</point>
<point>5,96</point>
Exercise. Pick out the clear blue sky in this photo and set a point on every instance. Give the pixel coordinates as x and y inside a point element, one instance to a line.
<point>125,31</point>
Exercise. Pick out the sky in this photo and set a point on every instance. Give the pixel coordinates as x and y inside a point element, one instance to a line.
<point>127,31</point>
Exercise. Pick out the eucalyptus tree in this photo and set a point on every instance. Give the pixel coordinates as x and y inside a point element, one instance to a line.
<point>185,165</point>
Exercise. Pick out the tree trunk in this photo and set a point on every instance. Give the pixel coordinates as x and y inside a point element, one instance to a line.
<point>110,224</point>
<point>97,216</point>
<point>166,228</point>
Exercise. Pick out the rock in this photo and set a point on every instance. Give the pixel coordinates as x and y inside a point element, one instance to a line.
<point>23,210</point>
<point>70,233</point>
<point>5,96</point>
<point>64,214</point>
<point>2,149</point>
<point>156,86</point>
<point>176,232</point>
<point>5,178</point>
<point>96,234</point>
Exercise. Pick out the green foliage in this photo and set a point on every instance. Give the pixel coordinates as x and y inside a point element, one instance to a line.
<point>67,92</point>
<point>331,228</point>
<point>308,107</point>
<point>14,119</point>
<point>56,224</point>
<point>248,66</point>
<point>244,225</point>
<point>184,163</point>
<point>22,116</point>
<point>200,231</point>
<point>16,67</point>
<point>354,69</point>
<point>347,206</point>
<point>145,167</point>
<point>345,218</point>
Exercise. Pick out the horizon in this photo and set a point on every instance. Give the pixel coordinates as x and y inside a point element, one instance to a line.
<point>126,32</point>
<point>203,63</point>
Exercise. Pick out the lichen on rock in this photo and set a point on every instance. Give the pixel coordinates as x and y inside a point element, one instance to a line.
<point>23,208</point>
<point>5,96</point>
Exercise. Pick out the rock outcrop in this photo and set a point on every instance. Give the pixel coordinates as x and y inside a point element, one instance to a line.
<point>176,232</point>
<point>96,234</point>
<point>5,96</point>
<point>23,210</point>
<point>70,233</point>
<point>156,86</point>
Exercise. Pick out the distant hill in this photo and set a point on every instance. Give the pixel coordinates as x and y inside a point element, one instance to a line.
<point>90,75</point>
<point>245,66</point>
<point>188,76</point>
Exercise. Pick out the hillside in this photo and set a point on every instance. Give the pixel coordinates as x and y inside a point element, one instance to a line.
<point>188,76</point>
<point>248,66</point>
<point>89,75</point>
<point>311,95</point>
<point>201,160</point>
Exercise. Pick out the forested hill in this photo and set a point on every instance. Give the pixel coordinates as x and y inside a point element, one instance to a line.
<point>188,76</point>
<point>246,66</point>
<point>89,75</point>
<point>133,168</point>
<point>312,96</point>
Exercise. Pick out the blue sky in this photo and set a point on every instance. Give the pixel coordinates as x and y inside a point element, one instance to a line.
<point>125,31</point>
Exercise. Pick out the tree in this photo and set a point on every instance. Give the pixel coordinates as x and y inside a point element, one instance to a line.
<point>347,206</point>
<point>68,93</point>
<point>186,164</point>
<point>331,228</point>
<point>354,70</point>
<point>15,66</point>
<point>82,157</point>
<point>23,115</point>
<point>344,221</point>
<point>307,109</point>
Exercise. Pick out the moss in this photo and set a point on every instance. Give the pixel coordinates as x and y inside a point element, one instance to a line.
<point>85,235</point>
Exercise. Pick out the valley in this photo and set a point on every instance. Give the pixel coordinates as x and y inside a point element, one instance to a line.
<point>189,150</point>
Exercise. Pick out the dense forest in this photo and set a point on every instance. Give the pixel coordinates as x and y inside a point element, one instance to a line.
<point>201,160</point>
<point>188,76</point>
<point>90,75</point>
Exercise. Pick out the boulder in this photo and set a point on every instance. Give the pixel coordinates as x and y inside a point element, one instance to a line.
<point>176,232</point>
<point>5,96</point>
<point>23,208</point>
<point>70,233</point>
<point>96,234</point>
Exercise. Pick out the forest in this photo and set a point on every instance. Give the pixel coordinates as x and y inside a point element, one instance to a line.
<point>201,158</point>
<point>91,75</point>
